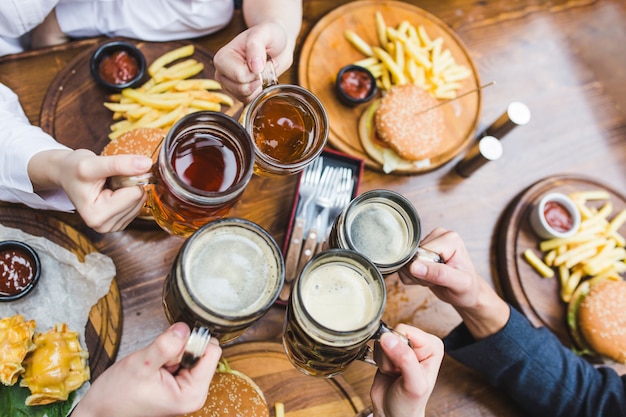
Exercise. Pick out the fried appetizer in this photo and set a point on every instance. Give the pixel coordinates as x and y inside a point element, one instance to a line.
<point>57,366</point>
<point>16,340</point>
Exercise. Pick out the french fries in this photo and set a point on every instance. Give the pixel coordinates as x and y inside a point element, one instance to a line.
<point>406,54</point>
<point>167,96</point>
<point>597,250</point>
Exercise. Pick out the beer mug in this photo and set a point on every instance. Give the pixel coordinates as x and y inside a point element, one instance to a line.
<point>224,278</point>
<point>204,165</point>
<point>383,226</point>
<point>288,126</point>
<point>334,310</point>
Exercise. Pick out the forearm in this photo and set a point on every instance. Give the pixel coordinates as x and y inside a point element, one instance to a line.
<point>488,315</point>
<point>287,13</point>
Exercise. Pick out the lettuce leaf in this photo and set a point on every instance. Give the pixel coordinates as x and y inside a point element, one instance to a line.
<point>12,404</point>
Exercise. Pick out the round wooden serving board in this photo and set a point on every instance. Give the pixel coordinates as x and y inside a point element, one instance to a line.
<point>303,396</point>
<point>326,50</point>
<point>537,297</point>
<point>72,110</point>
<point>104,327</point>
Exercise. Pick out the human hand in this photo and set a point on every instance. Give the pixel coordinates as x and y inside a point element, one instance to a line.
<point>406,377</point>
<point>239,63</point>
<point>144,382</point>
<point>456,282</point>
<point>82,175</point>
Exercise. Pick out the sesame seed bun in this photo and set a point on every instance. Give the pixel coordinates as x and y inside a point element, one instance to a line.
<point>140,141</point>
<point>414,135</point>
<point>233,394</point>
<point>597,318</point>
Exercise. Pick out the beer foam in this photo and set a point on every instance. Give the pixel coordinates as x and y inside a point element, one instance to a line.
<point>379,232</point>
<point>339,297</point>
<point>231,271</point>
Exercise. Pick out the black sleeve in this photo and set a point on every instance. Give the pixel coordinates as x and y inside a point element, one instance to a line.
<point>540,374</point>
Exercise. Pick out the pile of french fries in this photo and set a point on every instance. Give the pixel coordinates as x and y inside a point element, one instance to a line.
<point>597,251</point>
<point>167,96</point>
<point>407,54</point>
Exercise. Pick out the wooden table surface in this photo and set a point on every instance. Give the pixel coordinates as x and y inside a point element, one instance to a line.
<point>565,59</point>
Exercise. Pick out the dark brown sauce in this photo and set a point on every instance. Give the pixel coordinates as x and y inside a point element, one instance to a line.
<point>16,271</point>
<point>283,129</point>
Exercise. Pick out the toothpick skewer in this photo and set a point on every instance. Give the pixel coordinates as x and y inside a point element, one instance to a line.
<point>456,98</point>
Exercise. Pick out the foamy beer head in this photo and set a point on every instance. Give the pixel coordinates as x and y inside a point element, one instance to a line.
<point>227,275</point>
<point>334,309</point>
<point>383,226</point>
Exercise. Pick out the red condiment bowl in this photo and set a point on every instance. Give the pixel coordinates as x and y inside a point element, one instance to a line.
<point>355,85</point>
<point>20,269</point>
<point>555,216</point>
<point>116,60</point>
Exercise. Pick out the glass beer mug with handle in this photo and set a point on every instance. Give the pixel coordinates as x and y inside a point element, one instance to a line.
<point>288,126</point>
<point>334,310</point>
<point>225,277</point>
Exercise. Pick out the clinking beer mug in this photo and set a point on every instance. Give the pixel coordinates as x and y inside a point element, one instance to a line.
<point>334,310</point>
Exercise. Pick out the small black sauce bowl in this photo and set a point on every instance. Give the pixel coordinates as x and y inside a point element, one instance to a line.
<point>28,252</point>
<point>108,49</point>
<point>346,98</point>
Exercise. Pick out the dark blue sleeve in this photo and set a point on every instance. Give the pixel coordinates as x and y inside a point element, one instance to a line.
<point>540,374</point>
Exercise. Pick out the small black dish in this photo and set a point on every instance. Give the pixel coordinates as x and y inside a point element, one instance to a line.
<point>21,259</point>
<point>118,68</point>
<point>355,85</point>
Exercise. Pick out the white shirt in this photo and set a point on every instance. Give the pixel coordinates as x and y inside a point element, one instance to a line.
<point>19,141</point>
<point>150,20</point>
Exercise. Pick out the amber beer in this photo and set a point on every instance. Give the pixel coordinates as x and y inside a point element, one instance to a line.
<point>334,310</point>
<point>204,165</point>
<point>225,277</point>
<point>288,126</point>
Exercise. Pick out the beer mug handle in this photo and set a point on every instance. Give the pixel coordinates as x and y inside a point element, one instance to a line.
<point>268,75</point>
<point>368,353</point>
<point>195,347</point>
<point>427,255</point>
<point>120,181</point>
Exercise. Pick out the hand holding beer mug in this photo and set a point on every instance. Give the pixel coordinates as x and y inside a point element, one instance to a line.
<point>204,165</point>
<point>383,226</point>
<point>224,278</point>
<point>288,126</point>
<point>334,310</point>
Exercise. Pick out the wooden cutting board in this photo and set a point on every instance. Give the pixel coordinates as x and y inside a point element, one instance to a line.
<point>104,327</point>
<point>325,51</point>
<point>536,297</point>
<point>72,110</point>
<point>302,395</point>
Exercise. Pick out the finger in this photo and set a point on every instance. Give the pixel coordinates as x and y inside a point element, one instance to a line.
<point>112,211</point>
<point>106,166</point>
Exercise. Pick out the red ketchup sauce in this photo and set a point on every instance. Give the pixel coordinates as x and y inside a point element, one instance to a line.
<point>118,68</point>
<point>16,271</point>
<point>558,217</point>
<point>355,84</point>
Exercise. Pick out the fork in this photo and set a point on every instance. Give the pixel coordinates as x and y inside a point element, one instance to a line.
<point>341,200</point>
<point>308,189</point>
<point>195,347</point>
<point>324,200</point>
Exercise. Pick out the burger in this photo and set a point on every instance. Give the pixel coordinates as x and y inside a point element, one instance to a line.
<point>140,141</point>
<point>596,317</point>
<point>403,129</point>
<point>232,394</point>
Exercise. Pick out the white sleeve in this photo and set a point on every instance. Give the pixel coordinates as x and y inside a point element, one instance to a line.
<point>19,141</point>
<point>18,17</point>
<point>150,20</point>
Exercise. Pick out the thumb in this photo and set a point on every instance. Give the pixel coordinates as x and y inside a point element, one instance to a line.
<point>262,42</point>
<point>167,347</point>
